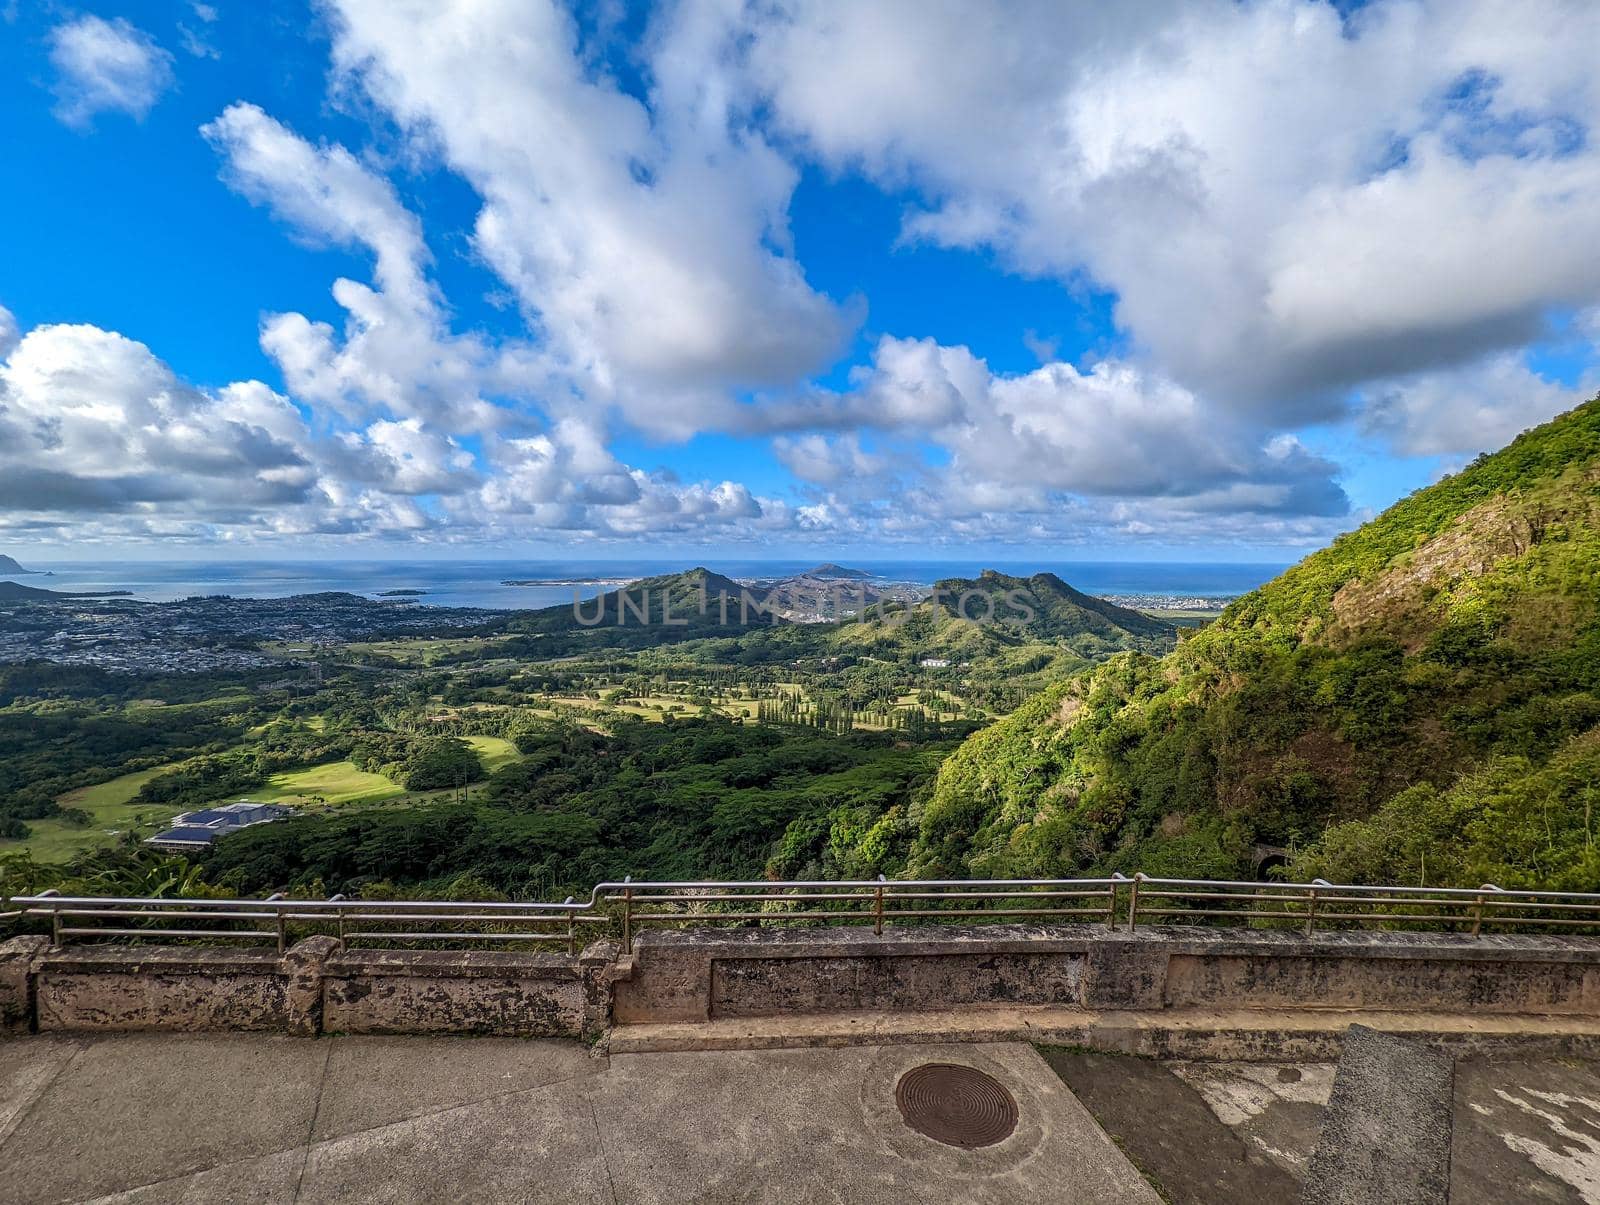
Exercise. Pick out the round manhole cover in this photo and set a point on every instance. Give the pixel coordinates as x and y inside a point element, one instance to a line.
<point>956,1105</point>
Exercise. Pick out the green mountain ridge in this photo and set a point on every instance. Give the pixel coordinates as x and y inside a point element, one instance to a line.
<point>1054,621</point>
<point>1418,702</point>
<point>1062,609</point>
<point>968,618</point>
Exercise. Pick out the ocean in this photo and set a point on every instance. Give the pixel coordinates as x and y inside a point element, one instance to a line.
<point>450,583</point>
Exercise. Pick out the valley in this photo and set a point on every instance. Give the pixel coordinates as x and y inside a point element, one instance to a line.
<point>338,705</point>
<point>1417,703</point>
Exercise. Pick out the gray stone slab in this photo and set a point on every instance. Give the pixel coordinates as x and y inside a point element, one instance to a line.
<point>801,1125</point>
<point>1275,1108</point>
<point>138,1109</point>
<point>269,1180</point>
<point>1387,1132</point>
<point>1171,1131</point>
<point>535,1146</point>
<point>1526,1131</point>
<point>374,1081</point>
<point>27,1068</point>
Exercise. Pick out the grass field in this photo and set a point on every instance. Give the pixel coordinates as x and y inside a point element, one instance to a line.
<point>650,707</point>
<point>113,812</point>
<point>334,782</point>
<point>231,697</point>
<point>494,751</point>
<point>425,651</point>
<point>1184,619</point>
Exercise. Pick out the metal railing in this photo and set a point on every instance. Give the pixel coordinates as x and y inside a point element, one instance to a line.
<point>879,901</point>
<point>624,908</point>
<point>353,922</point>
<point>1325,905</point>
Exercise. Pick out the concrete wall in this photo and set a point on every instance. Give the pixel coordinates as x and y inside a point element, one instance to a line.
<point>457,991</point>
<point>122,988</point>
<point>315,987</point>
<point>698,975</point>
<point>16,982</point>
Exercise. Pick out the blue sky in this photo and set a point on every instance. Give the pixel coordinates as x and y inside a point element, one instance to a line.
<point>1192,281</point>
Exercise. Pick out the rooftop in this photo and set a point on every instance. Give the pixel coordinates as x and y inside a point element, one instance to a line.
<point>205,825</point>
<point>184,834</point>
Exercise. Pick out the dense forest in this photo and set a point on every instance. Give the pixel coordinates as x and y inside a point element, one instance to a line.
<point>686,799</point>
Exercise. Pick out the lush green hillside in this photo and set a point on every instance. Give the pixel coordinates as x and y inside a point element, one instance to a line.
<point>1046,608</point>
<point>1418,702</point>
<point>989,616</point>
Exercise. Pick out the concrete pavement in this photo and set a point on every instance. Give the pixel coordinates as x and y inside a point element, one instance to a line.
<point>1230,1133</point>
<point>239,1118</point>
<point>162,1118</point>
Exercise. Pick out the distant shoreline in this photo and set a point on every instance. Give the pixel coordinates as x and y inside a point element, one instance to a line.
<point>499,586</point>
<point>573,581</point>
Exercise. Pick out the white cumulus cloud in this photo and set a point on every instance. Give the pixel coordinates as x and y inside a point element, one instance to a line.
<point>1286,202</point>
<point>648,245</point>
<point>106,66</point>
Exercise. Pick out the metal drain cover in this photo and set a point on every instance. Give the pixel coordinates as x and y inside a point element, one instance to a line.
<point>956,1105</point>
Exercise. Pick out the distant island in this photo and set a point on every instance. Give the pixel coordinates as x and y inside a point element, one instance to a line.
<point>401,593</point>
<point>10,567</point>
<point>833,572</point>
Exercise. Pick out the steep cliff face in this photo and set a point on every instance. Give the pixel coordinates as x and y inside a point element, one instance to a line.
<point>1446,652</point>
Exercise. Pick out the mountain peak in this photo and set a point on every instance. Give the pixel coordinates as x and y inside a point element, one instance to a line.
<point>688,579</point>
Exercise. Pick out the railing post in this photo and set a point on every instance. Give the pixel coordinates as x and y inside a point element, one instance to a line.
<point>278,923</point>
<point>1477,907</point>
<point>55,916</point>
<point>1117,880</point>
<point>338,914</point>
<point>572,928</point>
<point>627,915</point>
<point>1133,900</point>
<point>877,907</point>
<point>1311,904</point>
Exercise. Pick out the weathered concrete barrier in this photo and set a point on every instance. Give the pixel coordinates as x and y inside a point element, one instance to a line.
<point>315,987</point>
<point>467,991</point>
<point>699,975</point>
<point>16,981</point>
<point>187,988</point>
